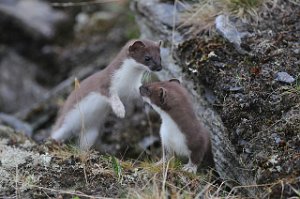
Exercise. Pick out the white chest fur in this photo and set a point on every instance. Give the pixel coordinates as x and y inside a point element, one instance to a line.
<point>172,137</point>
<point>127,79</point>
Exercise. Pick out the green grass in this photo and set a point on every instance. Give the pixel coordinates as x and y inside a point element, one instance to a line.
<point>117,168</point>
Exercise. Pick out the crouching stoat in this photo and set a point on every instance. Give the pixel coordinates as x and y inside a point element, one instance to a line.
<point>104,91</point>
<point>180,131</point>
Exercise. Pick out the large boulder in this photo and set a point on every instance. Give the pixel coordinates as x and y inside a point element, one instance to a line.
<point>35,18</point>
<point>18,88</point>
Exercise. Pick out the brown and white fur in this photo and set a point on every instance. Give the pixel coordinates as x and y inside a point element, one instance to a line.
<point>181,132</point>
<point>106,90</point>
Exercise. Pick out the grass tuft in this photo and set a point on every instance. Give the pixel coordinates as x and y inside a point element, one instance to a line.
<point>117,168</point>
<point>201,16</point>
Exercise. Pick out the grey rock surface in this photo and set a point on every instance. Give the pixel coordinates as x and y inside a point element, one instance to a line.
<point>18,87</point>
<point>37,18</point>
<point>284,77</point>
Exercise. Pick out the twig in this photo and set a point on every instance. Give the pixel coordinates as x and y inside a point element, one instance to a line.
<point>165,173</point>
<point>82,131</point>
<point>16,182</point>
<point>67,192</point>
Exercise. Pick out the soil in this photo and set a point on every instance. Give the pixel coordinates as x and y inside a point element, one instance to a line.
<point>62,171</point>
<point>260,113</point>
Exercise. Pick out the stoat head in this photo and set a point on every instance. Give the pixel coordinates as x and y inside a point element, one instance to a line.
<point>147,53</point>
<point>165,95</point>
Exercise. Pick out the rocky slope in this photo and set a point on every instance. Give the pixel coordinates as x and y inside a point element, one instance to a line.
<point>245,98</point>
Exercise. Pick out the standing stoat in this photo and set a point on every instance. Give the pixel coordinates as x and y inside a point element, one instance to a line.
<point>181,132</point>
<point>104,91</point>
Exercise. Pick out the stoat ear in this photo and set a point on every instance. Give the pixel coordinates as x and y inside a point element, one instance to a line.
<point>160,43</point>
<point>174,80</point>
<point>136,45</point>
<point>162,95</point>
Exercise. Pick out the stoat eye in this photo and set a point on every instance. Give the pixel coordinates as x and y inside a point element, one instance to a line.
<point>147,58</point>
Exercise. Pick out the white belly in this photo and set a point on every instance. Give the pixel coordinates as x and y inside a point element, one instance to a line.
<point>171,136</point>
<point>127,80</point>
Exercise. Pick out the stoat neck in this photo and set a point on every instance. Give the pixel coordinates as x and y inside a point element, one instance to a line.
<point>127,79</point>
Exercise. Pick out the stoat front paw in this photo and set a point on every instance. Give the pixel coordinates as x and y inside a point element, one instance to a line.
<point>191,168</point>
<point>118,108</point>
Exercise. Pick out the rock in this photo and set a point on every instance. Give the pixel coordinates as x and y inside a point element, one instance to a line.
<point>97,21</point>
<point>16,124</point>
<point>229,31</point>
<point>160,15</point>
<point>284,77</point>
<point>296,51</point>
<point>37,18</point>
<point>18,88</point>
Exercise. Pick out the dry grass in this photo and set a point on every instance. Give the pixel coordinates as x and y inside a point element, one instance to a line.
<point>201,16</point>
<point>139,179</point>
<point>155,189</point>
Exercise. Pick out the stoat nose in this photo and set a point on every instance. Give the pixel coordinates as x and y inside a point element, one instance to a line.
<point>155,67</point>
<point>158,68</point>
<point>143,90</point>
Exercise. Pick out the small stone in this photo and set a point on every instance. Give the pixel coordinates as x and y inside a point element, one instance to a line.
<point>236,88</point>
<point>277,140</point>
<point>273,160</point>
<point>46,159</point>
<point>212,54</point>
<point>284,77</point>
<point>296,51</point>
<point>278,168</point>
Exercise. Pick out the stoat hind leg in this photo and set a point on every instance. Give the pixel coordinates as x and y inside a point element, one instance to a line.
<point>71,124</point>
<point>88,138</point>
<point>61,134</point>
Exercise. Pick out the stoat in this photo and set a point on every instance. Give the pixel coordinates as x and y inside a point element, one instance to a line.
<point>87,107</point>
<point>181,132</point>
